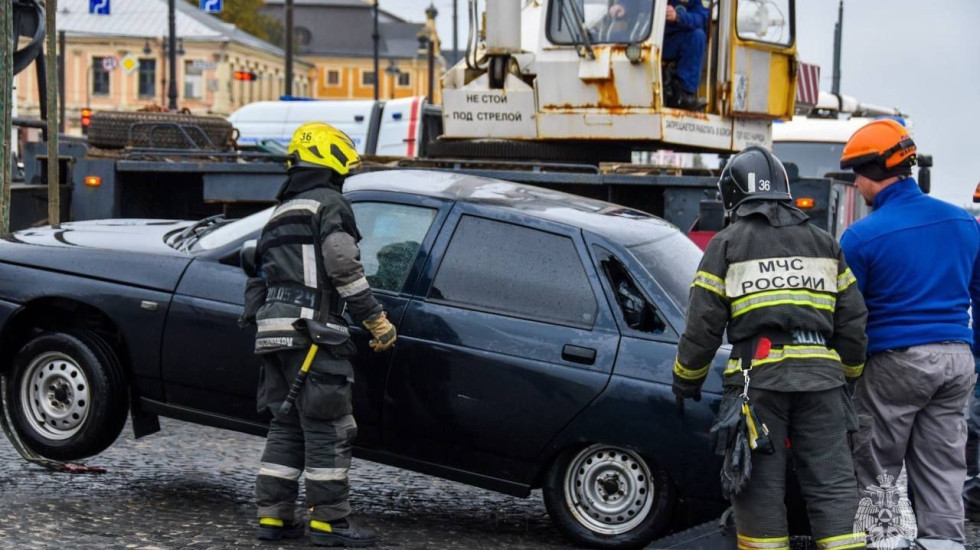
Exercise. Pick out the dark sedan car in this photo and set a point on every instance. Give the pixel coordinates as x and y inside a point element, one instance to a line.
<point>537,333</point>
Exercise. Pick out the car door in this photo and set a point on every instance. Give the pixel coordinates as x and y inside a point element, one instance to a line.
<point>208,361</point>
<point>507,341</point>
<point>651,323</point>
<point>397,232</point>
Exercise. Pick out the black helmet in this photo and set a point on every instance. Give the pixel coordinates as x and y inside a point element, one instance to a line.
<point>753,175</point>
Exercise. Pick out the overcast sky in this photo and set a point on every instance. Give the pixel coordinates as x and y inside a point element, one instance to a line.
<point>918,56</point>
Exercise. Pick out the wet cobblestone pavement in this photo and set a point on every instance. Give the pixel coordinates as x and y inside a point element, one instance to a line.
<point>190,487</point>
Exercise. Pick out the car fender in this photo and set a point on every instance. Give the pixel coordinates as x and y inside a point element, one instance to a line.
<point>644,416</point>
<point>136,314</point>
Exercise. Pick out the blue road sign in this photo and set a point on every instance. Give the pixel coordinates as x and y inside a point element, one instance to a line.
<point>98,7</point>
<point>211,6</point>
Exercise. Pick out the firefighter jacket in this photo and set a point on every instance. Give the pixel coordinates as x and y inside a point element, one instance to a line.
<point>772,274</point>
<point>310,264</point>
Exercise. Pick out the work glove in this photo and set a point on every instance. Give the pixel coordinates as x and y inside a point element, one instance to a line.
<point>383,332</point>
<point>737,468</point>
<point>729,420</point>
<point>684,389</point>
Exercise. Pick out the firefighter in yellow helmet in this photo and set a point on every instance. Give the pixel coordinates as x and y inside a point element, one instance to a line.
<point>309,269</point>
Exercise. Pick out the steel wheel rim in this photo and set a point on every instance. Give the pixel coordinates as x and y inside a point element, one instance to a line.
<point>55,396</point>
<point>608,490</point>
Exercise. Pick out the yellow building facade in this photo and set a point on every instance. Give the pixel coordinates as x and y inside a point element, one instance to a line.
<point>119,64</point>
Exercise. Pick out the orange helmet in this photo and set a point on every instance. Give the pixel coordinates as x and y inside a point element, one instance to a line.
<point>879,150</point>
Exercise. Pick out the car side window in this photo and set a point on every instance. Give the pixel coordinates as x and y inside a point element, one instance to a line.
<point>515,270</point>
<point>391,235</point>
<point>639,314</point>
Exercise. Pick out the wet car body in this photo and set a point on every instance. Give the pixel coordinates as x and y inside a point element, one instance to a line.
<point>491,387</point>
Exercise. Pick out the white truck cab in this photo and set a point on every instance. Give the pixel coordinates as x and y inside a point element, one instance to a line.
<point>397,127</point>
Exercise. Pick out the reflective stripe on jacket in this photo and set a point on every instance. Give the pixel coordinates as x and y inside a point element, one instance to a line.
<point>772,272</point>
<point>310,262</point>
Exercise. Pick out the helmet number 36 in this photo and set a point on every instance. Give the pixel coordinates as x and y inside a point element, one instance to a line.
<point>764,185</point>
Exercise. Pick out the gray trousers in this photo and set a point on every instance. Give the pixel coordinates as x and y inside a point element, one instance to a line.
<point>910,408</point>
<point>315,438</point>
<point>971,489</point>
<point>816,424</point>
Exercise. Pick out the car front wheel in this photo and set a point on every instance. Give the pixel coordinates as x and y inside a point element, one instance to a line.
<point>67,395</point>
<point>608,497</point>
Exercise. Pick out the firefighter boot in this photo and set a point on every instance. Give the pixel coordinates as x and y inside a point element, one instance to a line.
<point>340,532</point>
<point>690,102</point>
<point>276,529</point>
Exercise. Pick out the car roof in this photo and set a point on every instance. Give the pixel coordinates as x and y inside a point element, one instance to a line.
<point>624,225</point>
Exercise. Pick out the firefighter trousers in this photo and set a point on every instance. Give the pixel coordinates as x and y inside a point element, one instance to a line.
<point>314,439</point>
<point>809,428</point>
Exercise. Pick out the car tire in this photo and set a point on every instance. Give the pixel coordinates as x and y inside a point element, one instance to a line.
<point>603,496</point>
<point>67,395</point>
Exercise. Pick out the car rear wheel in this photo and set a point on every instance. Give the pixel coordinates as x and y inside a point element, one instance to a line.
<point>67,395</point>
<point>604,496</point>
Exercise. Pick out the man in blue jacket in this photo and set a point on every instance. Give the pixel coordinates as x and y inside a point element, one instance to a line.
<point>915,259</point>
<point>684,42</point>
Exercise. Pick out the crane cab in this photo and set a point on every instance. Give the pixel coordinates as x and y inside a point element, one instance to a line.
<point>569,71</point>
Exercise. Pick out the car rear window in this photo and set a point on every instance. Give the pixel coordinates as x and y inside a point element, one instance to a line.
<point>672,261</point>
<point>515,270</point>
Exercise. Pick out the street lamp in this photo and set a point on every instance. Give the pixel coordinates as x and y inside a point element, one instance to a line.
<point>170,90</point>
<point>393,71</point>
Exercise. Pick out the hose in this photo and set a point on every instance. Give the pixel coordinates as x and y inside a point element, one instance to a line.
<point>473,39</point>
<point>28,20</point>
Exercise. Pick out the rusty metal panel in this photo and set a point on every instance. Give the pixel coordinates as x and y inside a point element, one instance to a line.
<point>752,132</point>
<point>593,124</point>
<point>696,129</point>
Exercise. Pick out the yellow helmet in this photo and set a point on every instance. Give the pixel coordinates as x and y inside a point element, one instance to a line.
<point>320,145</point>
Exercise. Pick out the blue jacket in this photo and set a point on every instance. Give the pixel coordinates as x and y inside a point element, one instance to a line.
<point>915,259</point>
<point>691,14</point>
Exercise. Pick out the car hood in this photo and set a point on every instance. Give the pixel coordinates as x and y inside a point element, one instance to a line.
<point>128,251</point>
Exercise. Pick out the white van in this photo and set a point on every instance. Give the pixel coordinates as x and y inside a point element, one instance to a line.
<point>396,128</point>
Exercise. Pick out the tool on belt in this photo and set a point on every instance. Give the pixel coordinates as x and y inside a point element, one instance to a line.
<point>738,432</point>
<point>331,333</point>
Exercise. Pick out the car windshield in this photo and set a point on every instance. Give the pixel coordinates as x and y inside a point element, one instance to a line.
<point>814,159</point>
<point>233,231</point>
<point>672,261</point>
<point>622,21</point>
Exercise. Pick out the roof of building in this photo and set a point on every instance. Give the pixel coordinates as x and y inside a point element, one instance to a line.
<point>342,28</point>
<point>149,19</point>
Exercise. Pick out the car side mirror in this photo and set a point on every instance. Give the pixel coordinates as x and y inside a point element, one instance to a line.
<point>248,256</point>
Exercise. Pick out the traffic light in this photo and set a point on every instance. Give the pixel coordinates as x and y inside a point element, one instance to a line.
<point>86,119</point>
<point>245,75</point>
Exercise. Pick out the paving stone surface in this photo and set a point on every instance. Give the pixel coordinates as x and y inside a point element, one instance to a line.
<point>190,487</point>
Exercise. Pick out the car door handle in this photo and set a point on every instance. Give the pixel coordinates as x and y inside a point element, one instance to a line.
<point>577,354</point>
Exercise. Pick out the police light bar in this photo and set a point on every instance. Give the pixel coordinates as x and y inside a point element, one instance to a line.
<point>804,203</point>
<point>245,75</point>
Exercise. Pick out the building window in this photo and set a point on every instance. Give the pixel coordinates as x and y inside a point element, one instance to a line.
<point>193,81</point>
<point>367,78</point>
<point>100,78</point>
<point>404,80</point>
<point>148,77</point>
<point>333,77</point>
